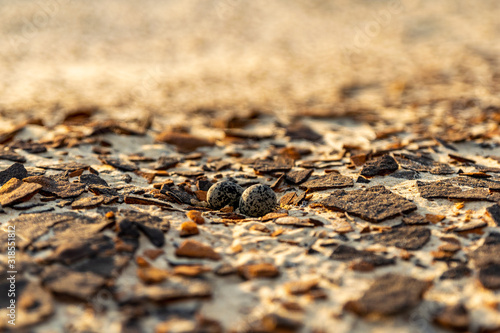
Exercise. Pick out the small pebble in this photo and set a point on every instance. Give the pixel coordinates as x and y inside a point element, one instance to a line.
<point>196,217</point>
<point>189,228</point>
<point>258,200</point>
<point>223,194</point>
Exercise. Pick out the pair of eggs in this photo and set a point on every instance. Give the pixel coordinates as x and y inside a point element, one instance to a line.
<point>255,201</point>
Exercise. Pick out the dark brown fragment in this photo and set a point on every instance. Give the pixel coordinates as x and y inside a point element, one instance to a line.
<point>494,212</point>
<point>11,155</point>
<point>15,191</point>
<point>348,253</point>
<point>6,136</point>
<point>91,179</point>
<point>414,219</point>
<point>66,166</point>
<point>135,200</point>
<point>454,317</point>
<point>246,134</point>
<point>456,273</point>
<point>278,165</point>
<point>374,204</point>
<point>63,281</point>
<point>31,226</point>
<point>298,176</point>
<point>298,222</point>
<point>380,167</point>
<point>59,188</point>
<point>461,159</point>
<point>203,185</point>
<point>408,238</point>
<point>165,163</point>
<point>450,189</point>
<point>16,170</point>
<point>28,146</point>
<point>328,181</point>
<point>288,198</point>
<point>87,203</point>
<point>189,174</point>
<point>277,183</point>
<point>422,163</point>
<point>489,276</point>
<point>173,288</point>
<point>184,142</point>
<point>390,294</point>
<point>261,270</point>
<point>301,131</point>
<point>103,190</point>
<point>119,163</point>
<point>486,254</point>
<point>194,249</point>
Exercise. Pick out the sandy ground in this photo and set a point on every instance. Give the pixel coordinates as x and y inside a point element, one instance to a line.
<point>348,69</point>
<point>279,56</point>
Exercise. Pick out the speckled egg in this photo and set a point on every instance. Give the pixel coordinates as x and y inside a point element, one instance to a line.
<point>224,193</point>
<point>258,200</point>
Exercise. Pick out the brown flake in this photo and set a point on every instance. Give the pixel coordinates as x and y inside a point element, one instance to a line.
<point>261,270</point>
<point>408,238</point>
<point>278,165</point>
<point>63,281</point>
<point>91,179</point>
<point>461,159</point>
<point>87,203</point>
<point>414,219</point>
<point>486,253</point>
<point>456,273</point>
<point>149,176</point>
<point>153,253</point>
<point>165,163</point>
<point>191,270</point>
<point>58,188</point>
<point>300,131</point>
<point>194,249</point>
<point>489,276</point>
<point>195,216</point>
<point>152,275</point>
<point>374,204</point>
<point>238,133</point>
<point>348,253</point>
<point>66,166</point>
<point>273,215</point>
<point>120,164</point>
<point>379,167</point>
<point>450,189</point>
<point>11,155</point>
<point>494,213</point>
<point>16,170</point>
<point>136,200</point>
<point>328,181</point>
<point>189,229</point>
<point>173,288</point>
<point>184,142</point>
<point>288,198</point>
<point>28,146</point>
<point>454,317</point>
<point>7,135</point>
<point>389,295</point>
<point>300,287</point>
<point>298,176</point>
<point>15,191</point>
<point>422,163</point>
<point>298,222</point>
<point>433,218</point>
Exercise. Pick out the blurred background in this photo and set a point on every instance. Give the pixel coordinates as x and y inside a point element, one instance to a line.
<point>298,57</point>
